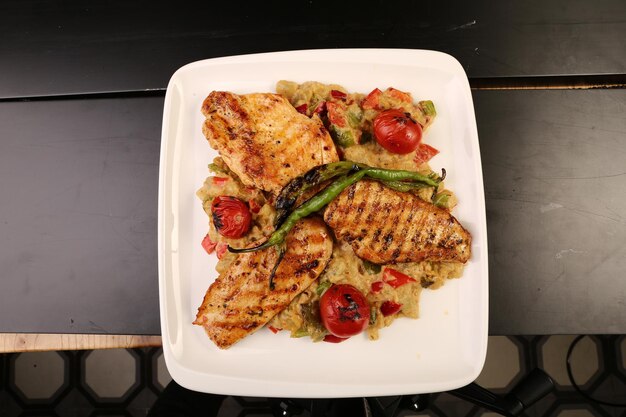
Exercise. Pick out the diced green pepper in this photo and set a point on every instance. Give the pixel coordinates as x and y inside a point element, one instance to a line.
<point>300,333</point>
<point>428,108</point>
<point>217,169</point>
<point>373,315</point>
<point>322,287</point>
<point>354,118</point>
<point>344,138</point>
<point>371,267</point>
<point>441,200</point>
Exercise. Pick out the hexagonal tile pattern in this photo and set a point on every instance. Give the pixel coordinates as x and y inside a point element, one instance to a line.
<point>162,375</point>
<point>39,375</point>
<point>110,373</point>
<point>584,360</point>
<point>114,382</point>
<point>502,364</point>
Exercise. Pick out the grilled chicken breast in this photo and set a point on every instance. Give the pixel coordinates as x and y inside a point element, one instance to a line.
<point>263,139</point>
<point>386,226</point>
<point>239,302</point>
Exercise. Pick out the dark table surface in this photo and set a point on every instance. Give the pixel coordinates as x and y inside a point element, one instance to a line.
<point>81,96</point>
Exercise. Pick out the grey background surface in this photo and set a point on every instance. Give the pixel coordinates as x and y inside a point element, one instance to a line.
<point>554,165</point>
<point>90,46</point>
<point>78,215</point>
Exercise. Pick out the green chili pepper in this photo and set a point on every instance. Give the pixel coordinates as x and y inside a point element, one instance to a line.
<point>404,186</point>
<point>324,197</point>
<point>301,184</point>
<point>398,175</point>
<point>315,203</point>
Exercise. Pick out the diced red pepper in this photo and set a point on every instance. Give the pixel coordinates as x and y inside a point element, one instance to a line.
<point>424,153</point>
<point>377,286</point>
<point>221,249</point>
<point>302,108</point>
<point>274,329</point>
<point>372,99</point>
<point>336,115</point>
<point>339,95</point>
<point>390,307</point>
<point>396,278</point>
<point>219,181</point>
<point>399,95</point>
<point>331,338</point>
<point>320,108</point>
<point>208,244</point>
<point>254,206</point>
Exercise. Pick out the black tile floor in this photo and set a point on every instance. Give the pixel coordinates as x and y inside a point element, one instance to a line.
<point>127,382</point>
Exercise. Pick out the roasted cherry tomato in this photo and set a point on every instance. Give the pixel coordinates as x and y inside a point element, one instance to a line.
<point>344,311</point>
<point>397,132</point>
<point>231,216</point>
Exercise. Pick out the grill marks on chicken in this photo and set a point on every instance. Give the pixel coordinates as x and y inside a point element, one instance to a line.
<point>263,139</point>
<point>385,226</point>
<point>240,302</point>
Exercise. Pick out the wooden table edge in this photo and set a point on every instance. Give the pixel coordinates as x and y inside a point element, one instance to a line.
<point>34,342</point>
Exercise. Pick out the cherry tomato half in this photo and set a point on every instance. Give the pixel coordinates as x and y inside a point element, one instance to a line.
<point>231,216</point>
<point>344,311</point>
<point>397,132</point>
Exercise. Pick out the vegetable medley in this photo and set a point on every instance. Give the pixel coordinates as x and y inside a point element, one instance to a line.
<point>379,136</point>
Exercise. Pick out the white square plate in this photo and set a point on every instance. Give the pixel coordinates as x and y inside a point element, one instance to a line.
<point>442,350</point>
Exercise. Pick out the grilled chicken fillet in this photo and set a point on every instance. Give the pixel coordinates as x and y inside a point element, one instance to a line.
<point>263,139</point>
<point>240,302</point>
<point>386,226</point>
